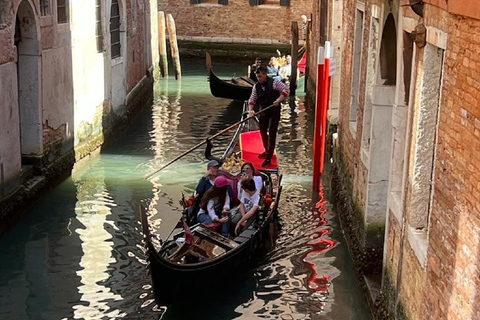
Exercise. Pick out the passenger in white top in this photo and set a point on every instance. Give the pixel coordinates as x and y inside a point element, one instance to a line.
<point>248,205</point>
<point>248,171</point>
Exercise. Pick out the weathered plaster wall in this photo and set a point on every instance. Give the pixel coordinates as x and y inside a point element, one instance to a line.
<point>9,130</point>
<point>71,96</point>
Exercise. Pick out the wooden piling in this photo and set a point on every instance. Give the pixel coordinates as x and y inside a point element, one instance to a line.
<point>294,54</point>
<point>162,44</point>
<point>172,35</point>
<point>307,51</point>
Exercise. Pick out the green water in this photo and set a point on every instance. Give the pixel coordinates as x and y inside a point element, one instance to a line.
<point>79,253</point>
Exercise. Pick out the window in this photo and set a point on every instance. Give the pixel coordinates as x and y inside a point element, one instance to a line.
<point>98,25</point>
<point>44,8</point>
<point>283,3</point>
<point>62,16</point>
<point>115,30</point>
<point>357,58</point>
<point>209,1</point>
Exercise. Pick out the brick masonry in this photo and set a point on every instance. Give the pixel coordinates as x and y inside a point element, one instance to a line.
<point>445,286</point>
<point>236,20</point>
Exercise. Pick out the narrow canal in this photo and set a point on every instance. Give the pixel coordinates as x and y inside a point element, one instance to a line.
<point>79,253</point>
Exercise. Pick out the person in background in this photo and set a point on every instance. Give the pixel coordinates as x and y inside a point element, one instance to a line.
<point>304,21</point>
<point>266,92</point>
<point>272,68</point>
<point>215,205</point>
<point>254,67</point>
<point>249,201</point>
<point>286,70</point>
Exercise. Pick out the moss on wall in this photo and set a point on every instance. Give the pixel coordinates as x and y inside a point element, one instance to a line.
<point>365,241</point>
<point>386,305</point>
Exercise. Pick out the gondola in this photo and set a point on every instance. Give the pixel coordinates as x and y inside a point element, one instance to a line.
<point>181,268</point>
<point>237,88</point>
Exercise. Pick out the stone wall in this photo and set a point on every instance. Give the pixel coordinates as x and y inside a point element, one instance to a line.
<point>72,96</point>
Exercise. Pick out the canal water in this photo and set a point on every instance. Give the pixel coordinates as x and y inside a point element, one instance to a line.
<point>79,253</point>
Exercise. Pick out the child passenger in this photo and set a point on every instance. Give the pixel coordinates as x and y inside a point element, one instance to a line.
<point>249,201</point>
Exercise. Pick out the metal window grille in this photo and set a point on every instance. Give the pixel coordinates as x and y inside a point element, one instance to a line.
<point>44,8</point>
<point>62,11</point>
<point>98,26</point>
<point>115,29</point>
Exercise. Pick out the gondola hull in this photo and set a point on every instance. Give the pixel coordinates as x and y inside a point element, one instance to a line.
<point>193,259</point>
<point>174,283</point>
<point>227,89</point>
<point>239,88</point>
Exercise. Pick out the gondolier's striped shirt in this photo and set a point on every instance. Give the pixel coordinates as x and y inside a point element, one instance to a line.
<point>277,86</point>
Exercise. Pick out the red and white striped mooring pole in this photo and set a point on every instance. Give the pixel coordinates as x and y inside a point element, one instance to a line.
<point>321,108</point>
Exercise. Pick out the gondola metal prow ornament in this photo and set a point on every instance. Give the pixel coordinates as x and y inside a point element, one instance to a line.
<point>209,138</point>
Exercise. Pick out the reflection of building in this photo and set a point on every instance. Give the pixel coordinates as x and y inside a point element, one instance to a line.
<point>406,175</point>
<point>69,72</point>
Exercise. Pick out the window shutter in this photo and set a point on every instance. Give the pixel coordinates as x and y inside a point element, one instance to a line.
<point>222,1</point>
<point>285,3</point>
<point>194,1</point>
<point>254,2</point>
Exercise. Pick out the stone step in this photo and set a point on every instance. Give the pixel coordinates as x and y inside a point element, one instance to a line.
<point>28,171</point>
<point>34,183</point>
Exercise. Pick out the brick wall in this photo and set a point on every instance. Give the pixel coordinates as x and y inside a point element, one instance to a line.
<point>236,21</point>
<point>137,40</point>
<point>447,287</point>
<point>454,245</point>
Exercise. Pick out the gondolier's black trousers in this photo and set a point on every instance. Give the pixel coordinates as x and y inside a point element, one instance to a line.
<point>269,121</point>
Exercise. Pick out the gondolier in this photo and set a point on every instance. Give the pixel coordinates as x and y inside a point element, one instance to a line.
<point>266,92</point>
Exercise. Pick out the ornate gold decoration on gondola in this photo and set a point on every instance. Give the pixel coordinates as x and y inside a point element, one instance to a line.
<point>233,163</point>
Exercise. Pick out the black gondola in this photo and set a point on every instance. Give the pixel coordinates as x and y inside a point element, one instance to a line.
<point>182,270</point>
<point>237,88</point>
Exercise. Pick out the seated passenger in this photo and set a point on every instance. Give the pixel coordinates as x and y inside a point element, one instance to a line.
<point>286,70</point>
<point>248,205</point>
<point>215,205</point>
<point>253,69</point>
<point>205,183</point>
<point>248,171</point>
<point>272,68</point>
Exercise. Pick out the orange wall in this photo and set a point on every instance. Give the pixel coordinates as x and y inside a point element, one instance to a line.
<point>468,8</point>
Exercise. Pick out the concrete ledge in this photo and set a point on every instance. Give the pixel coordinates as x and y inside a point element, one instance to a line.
<point>229,40</point>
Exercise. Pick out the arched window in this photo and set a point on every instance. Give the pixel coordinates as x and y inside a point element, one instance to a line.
<point>115,30</point>
<point>388,52</point>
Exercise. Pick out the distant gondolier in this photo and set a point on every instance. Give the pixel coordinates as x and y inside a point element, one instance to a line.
<point>266,92</point>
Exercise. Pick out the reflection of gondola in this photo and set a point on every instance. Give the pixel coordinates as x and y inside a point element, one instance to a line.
<point>186,265</point>
<point>238,88</point>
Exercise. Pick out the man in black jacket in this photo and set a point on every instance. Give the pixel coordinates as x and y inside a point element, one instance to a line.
<point>267,92</point>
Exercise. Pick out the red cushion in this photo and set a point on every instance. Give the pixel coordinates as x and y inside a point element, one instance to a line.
<point>215,226</point>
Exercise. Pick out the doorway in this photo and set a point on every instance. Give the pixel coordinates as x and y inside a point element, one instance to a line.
<point>27,43</point>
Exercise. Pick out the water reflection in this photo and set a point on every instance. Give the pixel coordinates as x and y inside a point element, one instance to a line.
<point>92,209</point>
<point>79,253</point>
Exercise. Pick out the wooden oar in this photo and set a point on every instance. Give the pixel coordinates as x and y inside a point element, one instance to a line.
<point>205,141</point>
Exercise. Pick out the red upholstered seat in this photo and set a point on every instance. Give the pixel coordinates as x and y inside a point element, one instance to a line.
<point>215,226</point>
<point>251,145</point>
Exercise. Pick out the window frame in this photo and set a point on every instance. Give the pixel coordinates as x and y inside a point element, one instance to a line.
<point>62,11</point>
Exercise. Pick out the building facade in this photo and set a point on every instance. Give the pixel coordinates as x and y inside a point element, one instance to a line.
<point>405,176</point>
<point>235,21</point>
<point>70,72</point>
